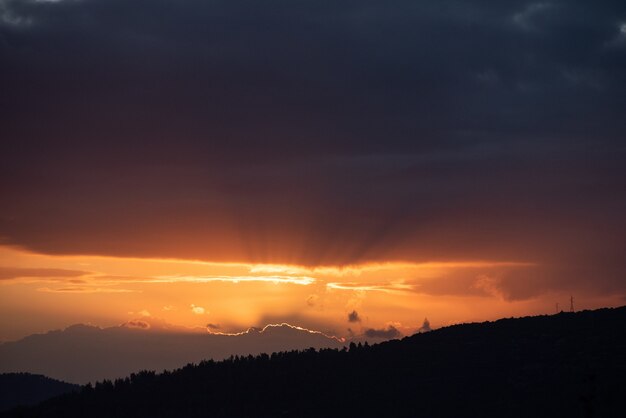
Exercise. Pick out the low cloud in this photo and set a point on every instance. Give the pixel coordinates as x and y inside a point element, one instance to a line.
<point>489,285</point>
<point>388,333</point>
<point>213,326</point>
<point>354,317</point>
<point>425,326</point>
<point>136,324</point>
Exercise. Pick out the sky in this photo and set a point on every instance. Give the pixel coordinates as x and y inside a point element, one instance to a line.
<point>346,166</point>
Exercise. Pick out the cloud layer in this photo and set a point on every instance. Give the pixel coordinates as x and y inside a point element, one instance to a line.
<point>320,133</point>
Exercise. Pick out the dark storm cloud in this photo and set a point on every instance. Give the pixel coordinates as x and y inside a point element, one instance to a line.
<point>318,132</point>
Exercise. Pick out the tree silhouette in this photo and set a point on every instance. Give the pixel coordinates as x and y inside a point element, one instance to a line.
<point>536,366</point>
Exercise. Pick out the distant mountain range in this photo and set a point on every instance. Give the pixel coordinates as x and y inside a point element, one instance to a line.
<point>29,389</point>
<point>84,353</point>
<point>565,365</point>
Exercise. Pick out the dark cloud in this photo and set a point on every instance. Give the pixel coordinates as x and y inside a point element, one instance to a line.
<point>213,326</point>
<point>354,317</point>
<point>425,326</point>
<point>523,282</point>
<point>390,332</point>
<point>8,273</point>
<point>318,132</point>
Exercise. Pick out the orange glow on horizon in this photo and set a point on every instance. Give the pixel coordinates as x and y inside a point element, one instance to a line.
<point>42,292</point>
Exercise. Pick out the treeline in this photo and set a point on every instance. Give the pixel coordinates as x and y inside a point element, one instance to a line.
<point>562,365</point>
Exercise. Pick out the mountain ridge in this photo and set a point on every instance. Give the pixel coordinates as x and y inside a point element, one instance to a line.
<point>569,364</point>
<point>84,353</point>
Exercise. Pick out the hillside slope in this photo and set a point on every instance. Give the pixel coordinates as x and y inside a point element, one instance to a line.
<point>563,365</point>
<point>29,389</point>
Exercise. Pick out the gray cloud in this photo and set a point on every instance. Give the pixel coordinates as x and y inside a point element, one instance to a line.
<point>425,326</point>
<point>319,133</point>
<point>388,333</point>
<point>354,317</point>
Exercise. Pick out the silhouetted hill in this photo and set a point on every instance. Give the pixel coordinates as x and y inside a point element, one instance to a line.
<point>29,389</point>
<point>84,353</point>
<point>566,365</point>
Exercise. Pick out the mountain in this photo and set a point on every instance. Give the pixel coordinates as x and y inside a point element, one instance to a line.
<point>29,389</point>
<point>83,353</point>
<point>565,365</point>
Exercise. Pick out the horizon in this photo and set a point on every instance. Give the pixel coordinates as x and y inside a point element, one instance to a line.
<point>510,365</point>
<point>82,354</point>
<point>154,324</point>
<point>147,324</point>
<point>334,305</point>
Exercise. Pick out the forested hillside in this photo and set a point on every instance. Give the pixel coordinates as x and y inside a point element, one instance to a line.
<point>29,389</point>
<point>570,364</point>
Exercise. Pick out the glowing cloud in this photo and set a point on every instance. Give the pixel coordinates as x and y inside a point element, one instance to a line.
<point>198,310</point>
<point>77,289</point>
<point>299,280</point>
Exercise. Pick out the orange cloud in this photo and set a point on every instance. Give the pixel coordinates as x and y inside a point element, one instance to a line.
<point>198,310</point>
<point>78,289</point>
<point>10,273</point>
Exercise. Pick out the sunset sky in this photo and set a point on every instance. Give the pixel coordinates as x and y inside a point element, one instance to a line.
<point>350,167</point>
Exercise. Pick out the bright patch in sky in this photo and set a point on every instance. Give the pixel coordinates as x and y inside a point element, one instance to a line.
<point>198,310</point>
<point>109,291</point>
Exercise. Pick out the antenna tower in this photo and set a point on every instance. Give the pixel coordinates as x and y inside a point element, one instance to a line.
<point>571,303</point>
